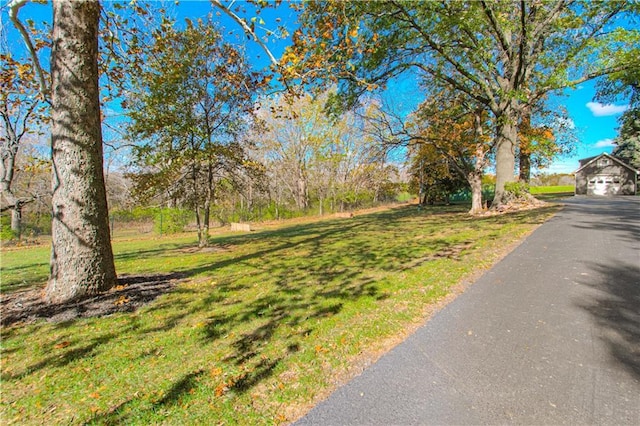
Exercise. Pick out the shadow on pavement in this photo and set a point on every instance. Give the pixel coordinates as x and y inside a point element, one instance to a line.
<point>616,312</point>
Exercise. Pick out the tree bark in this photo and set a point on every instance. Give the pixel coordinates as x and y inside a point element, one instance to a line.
<point>16,219</point>
<point>505,156</point>
<point>302,198</point>
<point>8,152</point>
<point>81,255</point>
<point>474,177</point>
<point>525,167</point>
<point>199,226</point>
<point>208,199</point>
<point>475,182</point>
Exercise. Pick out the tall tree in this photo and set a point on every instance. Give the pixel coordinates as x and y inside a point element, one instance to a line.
<point>316,157</point>
<point>293,131</point>
<point>22,112</point>
<point>81,254</point>
<point>82,259</point>
<point>501,54</point>
<point>455,134</point>
<point>628,140</point>
<point>193,101</point>
<point>625,85</point>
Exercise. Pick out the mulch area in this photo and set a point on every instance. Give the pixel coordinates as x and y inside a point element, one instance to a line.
<point>131,293</point>
<point>528,202</point>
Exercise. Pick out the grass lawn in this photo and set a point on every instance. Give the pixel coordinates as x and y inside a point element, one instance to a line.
<point>564,189</point>
<point>262,326</point>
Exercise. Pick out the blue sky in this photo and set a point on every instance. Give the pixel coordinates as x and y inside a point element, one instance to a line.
<point>595,123</point>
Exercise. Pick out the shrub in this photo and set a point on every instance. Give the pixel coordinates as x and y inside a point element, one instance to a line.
<point>404,197</point>
<point>6,234</point>
<point>170,221</point>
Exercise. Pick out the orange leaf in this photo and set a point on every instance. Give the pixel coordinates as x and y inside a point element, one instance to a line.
<point>221,389</point>
<point>121,301</point>
<point>62,344</point>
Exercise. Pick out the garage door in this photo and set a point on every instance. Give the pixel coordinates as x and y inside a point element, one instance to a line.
<point>604,185</point>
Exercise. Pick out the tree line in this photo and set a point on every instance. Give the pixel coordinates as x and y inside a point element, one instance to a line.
<point>202,123</point>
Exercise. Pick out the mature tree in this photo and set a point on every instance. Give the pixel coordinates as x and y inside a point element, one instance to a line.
<point>81,255</point>
<point>448,132</point>
<point>293,131</point>
<point>628,140</point>
<point>82,259</point>
<point>350,165</point>
<point>194,100</point>
<point>503,55</point>
<point>22,111</point>
<point>432,174</point>
<point>625,84</point>
<point>456,135</point>
<point>316,157</point>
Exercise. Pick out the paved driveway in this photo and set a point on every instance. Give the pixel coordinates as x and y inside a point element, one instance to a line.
<point>550,335</point>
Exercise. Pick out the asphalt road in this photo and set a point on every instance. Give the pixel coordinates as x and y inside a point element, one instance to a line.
<point>550,335</point>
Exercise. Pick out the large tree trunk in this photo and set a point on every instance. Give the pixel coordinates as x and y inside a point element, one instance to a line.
<point>81,255</point>
<point>505,157</point>
<point>475,182</point>
<point>15,205</point>
<point>16,219</point>
<point>525,166</point>
<point>474,177</point>
<point>8,152</point>
<point>524,145</point>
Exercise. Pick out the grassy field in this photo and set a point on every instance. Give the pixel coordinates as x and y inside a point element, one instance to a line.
<point>552,189</point>
<point>261,326</point>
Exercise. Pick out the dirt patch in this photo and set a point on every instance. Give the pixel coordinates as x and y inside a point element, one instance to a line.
<point>131,293</point>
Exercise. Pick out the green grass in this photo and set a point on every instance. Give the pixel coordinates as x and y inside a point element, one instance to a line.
<point>259,330</point>
<point>552,189</point>
<point>550,193</point>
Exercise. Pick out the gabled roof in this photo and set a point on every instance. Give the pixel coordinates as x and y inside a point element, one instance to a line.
<point>604,154</point>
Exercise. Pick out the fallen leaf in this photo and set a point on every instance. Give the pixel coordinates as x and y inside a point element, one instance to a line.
<point>121,301</point>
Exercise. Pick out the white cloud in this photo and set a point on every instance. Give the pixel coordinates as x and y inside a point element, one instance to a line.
<point>605,143</point>
<point>601,110</point>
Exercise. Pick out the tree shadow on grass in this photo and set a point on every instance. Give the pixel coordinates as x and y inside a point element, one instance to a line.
<point>62,354</point>
<point>130,293</point>
<point>270,294</point>
<point>118,414</point>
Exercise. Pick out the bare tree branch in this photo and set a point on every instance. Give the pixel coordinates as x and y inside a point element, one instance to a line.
<point>14,9</point>
<point>246,28</point>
